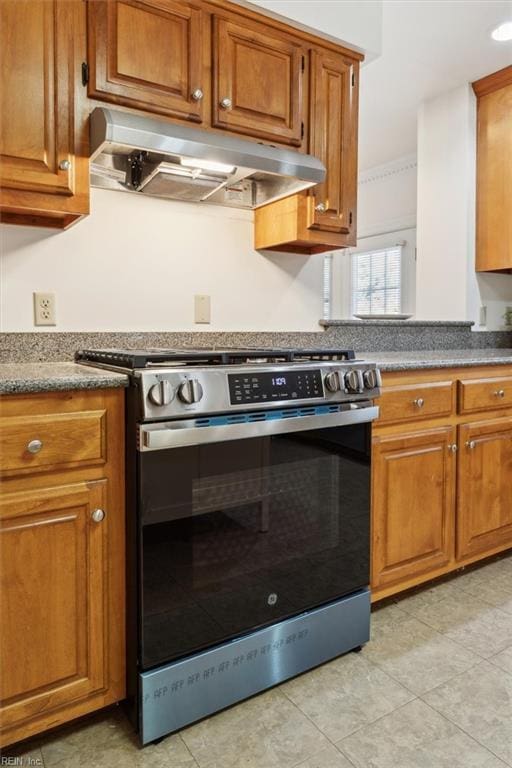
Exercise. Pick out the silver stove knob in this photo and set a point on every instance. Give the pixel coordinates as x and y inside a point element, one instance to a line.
<point>161,393</point>
<point>371,379</point>
<point>332,381</point>
<point>190,391</point>
<point>354,381</point>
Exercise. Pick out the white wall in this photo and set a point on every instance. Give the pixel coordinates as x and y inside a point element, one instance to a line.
<point>447,285</point>
<point>386,216</point>
<point>135,264</point>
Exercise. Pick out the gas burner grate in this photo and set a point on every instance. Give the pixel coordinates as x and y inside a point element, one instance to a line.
<point>153,358</point>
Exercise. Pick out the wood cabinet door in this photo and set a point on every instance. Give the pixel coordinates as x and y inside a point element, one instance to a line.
<point>484,505</point>
<point>53,600</point>
<point>148,54</point>
<point>37,96</point>
<point>413,505</point>
<point>333,139</point>
<point>257,81</point>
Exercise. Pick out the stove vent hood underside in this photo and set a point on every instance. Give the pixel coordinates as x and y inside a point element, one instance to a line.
<point>153,157</point>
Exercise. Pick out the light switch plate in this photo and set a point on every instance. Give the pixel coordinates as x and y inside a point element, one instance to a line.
<point>202,312</point>
<point>44,309</point>
<point>483,315</point>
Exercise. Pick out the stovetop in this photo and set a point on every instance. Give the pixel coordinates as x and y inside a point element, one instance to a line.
<point>152,358</point>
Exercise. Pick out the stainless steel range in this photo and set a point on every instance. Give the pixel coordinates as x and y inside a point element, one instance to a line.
<point>248,494</point>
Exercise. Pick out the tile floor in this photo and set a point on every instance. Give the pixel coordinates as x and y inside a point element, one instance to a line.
<point>432,689</point>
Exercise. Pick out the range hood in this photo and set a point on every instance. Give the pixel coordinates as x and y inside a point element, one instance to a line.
<point>152,157</point>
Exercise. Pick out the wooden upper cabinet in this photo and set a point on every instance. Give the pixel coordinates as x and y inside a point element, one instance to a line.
<point>494,172</point>
<point>43,164</point>
<point>149,54</point>
<point>257,81</point>
<point>484,511</point>
<point>413,493</point>
<point>334,141</point>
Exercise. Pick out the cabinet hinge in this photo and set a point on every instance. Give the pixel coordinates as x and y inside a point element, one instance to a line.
<point>85,73</point>
<point>303,64</point>
<point>350,219</point>
<point>353,79</point>
<point>302,130</point>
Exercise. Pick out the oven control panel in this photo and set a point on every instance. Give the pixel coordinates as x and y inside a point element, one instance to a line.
<point>268,387</point>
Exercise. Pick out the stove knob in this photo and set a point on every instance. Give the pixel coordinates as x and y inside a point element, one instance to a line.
<point>353,381</point>
<point>190,391</point>
<point>161,393</point>
<point>371,379</point>
<point>332,381</point>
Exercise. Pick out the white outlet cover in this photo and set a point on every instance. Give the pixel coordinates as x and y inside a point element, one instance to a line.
<point>44,308</point>
<point>202,308</point>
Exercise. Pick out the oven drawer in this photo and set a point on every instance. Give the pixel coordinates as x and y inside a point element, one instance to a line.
<point>485,394</point>
<point>51,441</point>
<point>416,402</point>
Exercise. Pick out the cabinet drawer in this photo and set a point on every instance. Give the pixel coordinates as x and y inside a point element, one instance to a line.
<point>485,394</point>
<point>416,401</point>
<point>51,441</point>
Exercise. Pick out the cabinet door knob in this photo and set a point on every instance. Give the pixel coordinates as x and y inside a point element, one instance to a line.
<point>453,448</point>
<point>471,444</point>
<point>34,446</point>
<point>419,402</point>
<point>321,207</point>
<point>197,94</point>
<point>500,393</point>
<point>98,515</point>
<point>64,165</point>
<point>226,103</point>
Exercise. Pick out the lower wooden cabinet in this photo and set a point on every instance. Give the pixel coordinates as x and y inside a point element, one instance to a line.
<point>413,504</point>
<point>62,551</point>
<point>484,506</point>
<point>441,474</point>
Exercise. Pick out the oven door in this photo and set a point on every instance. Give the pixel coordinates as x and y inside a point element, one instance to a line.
<point>248,526</point>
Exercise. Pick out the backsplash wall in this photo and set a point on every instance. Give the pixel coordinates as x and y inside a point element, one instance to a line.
<point>135,264</point>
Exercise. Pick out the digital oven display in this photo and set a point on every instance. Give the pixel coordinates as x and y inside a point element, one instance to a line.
<point>269,387</point>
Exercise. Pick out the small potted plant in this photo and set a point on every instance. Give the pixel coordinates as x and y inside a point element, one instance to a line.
<point>508,316</point>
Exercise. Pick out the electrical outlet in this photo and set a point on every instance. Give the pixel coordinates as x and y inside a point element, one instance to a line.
<point>202,311</point>
<point>44,309</point>
<point>483,315</point>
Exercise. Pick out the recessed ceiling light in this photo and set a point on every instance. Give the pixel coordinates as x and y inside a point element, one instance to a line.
<point>503,32</point>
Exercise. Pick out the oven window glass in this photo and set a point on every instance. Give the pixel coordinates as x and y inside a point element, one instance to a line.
<point>238,535</point>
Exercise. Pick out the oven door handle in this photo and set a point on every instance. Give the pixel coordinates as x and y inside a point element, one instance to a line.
<point>176,434</point>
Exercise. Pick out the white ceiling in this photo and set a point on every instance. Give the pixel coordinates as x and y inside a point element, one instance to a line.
<point>428,48</point>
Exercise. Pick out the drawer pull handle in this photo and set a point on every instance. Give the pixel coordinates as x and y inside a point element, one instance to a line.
<point>197,94</point>
<point>471,444</point>
<point>321,207</point>
<point>419,402</point>
<point>34,446</point>
<point>453,448</point>
<point>98,515</point>
<point>500,393</point>
<point>226,103</point>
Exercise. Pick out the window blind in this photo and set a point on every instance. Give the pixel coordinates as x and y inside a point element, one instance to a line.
<point>327,286</point>
<point>377,281</point>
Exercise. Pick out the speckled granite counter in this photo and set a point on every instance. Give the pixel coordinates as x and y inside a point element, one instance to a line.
<point>19,378</point>
<point>443,358</point>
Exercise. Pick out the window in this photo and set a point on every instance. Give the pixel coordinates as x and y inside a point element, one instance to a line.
<point>327,287</point>
<point>377,281</point>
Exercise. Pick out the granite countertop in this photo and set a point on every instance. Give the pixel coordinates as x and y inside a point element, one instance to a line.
<point>442,358</point>
<point>19,378</point>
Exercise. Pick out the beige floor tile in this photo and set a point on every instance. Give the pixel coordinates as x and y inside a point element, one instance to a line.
<point>415,736</point>
<point>425,596</point>
<point>479,702</point>
<point>385,619</point>
<point>267,731</point>
<point>108,741</point>
<point>22,756</point>
<point>345,694</point>
<point>497,592</point>
<point>503,660</point>
<point>473,623</point>
<point>418,656</point>
<point>330,757</point>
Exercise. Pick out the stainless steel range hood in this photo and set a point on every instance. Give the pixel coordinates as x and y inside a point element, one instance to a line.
<point>153,157</point>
